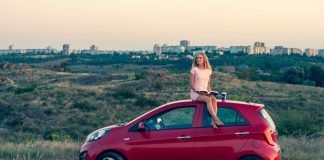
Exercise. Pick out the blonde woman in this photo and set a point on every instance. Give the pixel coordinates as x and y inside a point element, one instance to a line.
<point>200,76</point>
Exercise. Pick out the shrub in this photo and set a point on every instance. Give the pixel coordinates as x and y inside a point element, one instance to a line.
<point>26,89</point>
<point>84,105</point>
<point>55,135</point>
<point>142,101</point>
<point>124,92</point>
<point>140,75</point>
<point>294,122</point>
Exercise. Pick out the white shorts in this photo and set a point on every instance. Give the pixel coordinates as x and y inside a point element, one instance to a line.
<point>193,95</point>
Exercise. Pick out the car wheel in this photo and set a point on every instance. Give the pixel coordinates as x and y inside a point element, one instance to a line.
<point>110,156</point>
<point>251,158</point>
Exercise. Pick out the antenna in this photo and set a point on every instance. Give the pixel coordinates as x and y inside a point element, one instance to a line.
<point>251,97</point>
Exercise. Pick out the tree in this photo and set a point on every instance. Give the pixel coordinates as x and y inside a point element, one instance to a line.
<point>295,75</point>
<point>316,74</point>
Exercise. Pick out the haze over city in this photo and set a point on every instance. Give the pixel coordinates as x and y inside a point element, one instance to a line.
<point>138,24</point>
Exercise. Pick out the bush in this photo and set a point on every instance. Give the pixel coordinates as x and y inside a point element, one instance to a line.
<point>84,105</point>
<point>294,122</point>
<point>140,75</point>
<point>26,89</point>
<point>124,92</point>
<point>142,101</point>
<point>55,135</point>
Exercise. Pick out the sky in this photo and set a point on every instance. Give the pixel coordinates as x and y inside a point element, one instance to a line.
<point>139,24</point>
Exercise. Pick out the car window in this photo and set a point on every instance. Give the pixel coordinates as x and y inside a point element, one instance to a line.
<point>172,119</point>
<point>228,116</point>
<point>265,115</point>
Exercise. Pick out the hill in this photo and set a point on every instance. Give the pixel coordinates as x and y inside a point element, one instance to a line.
<point>54,101</point>
<point>40,103</point>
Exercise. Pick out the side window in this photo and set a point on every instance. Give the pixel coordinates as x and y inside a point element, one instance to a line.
<point>228,116</point>
<point>172,119</point>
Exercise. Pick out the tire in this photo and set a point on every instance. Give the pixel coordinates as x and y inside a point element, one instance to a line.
<point>250,158</point>
<point>111,156</point>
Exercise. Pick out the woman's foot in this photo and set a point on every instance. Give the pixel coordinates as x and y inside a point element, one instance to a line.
<point>214,125</point>
<point>219,122</point>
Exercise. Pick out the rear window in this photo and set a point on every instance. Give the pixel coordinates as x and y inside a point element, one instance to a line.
<point>265,115</point>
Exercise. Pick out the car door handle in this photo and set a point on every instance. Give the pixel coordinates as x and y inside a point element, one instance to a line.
<point>183,137</point>
<point>242,133</point>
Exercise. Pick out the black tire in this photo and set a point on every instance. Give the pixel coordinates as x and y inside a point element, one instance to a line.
<point>250,158</point>
<point>110,156</point>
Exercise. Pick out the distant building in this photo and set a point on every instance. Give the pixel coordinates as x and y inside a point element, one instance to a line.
<point>296,51</point>
<point>321,52</point>
<point>260,48</point>
<point>184,46</point>
<point>173,49</point>
<point>205,48</point>
<point>311,52</point>
<point>241,49</point>
<point>259,44</point>
<point>157,49</point>
<point>94,48</point>
<point>42,51</point>
<point>15,51</point>
<point>237,49</point>
<point>223,49</point>
<point>185,43</point>
<point>31,51</point>
<point>12,47</point>
<point>280,50</point>
<point>66,49</point>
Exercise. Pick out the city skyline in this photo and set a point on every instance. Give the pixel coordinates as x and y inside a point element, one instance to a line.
<point>137,25</point>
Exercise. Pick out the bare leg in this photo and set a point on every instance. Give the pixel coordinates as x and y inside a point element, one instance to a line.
<point>214,102</point>
<point>210,108</point>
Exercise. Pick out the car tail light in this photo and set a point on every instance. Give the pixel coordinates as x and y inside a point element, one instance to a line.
<point>268,136</point>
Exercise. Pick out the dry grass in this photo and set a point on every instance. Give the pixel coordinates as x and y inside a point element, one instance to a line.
<point>301,148</point>
<point>39,150</point>
<point>293,148</point>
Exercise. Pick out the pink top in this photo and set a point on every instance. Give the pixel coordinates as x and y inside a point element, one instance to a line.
<point>201,78</point>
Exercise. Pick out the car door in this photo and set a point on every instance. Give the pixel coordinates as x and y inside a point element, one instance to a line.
<point>168,135</point>
<point>222,143</point>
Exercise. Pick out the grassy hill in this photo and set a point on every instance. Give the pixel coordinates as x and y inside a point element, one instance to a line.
<point>39,105</point>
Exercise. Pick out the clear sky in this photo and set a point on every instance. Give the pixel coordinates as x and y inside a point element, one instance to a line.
<point>139,24</point>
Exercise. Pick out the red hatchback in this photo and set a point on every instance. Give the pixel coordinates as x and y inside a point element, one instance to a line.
<point>181,130</point>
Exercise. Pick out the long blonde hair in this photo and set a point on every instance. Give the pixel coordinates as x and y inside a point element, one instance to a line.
<point>206,64</point>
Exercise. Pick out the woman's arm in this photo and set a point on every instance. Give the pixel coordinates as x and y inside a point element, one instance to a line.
<point>192,81</point>
<point>209,86</point>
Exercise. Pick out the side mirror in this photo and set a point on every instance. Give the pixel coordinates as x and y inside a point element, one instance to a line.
<point>141,126</point>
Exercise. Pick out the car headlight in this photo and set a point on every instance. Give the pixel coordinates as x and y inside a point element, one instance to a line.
<point>97,135</point>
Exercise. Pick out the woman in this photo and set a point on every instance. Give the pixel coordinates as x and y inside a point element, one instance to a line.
<point>200,81</point>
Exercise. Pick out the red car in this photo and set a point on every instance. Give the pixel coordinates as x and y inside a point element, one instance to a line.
<point>182,130</point>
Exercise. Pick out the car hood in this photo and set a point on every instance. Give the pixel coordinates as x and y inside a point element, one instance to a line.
<point>111,126</point>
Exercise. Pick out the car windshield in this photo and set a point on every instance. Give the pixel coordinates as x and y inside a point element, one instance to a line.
<point>144,114</point>
<point>265,115</point>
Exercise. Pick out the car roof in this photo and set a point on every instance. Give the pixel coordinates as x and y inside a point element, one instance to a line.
<point>228,102</point>
<point>191,102</point>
